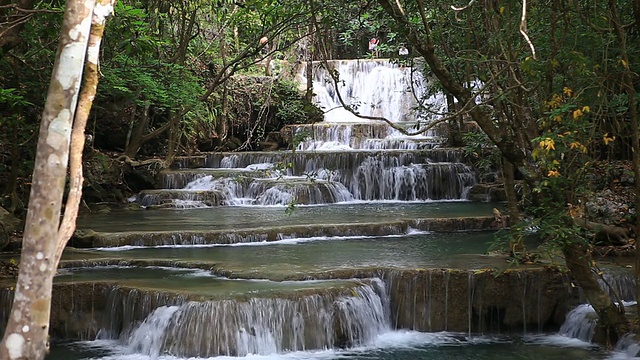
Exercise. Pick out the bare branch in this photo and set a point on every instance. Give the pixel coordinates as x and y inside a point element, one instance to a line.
<point>465,109</point>
<point>400,6</point>
<point>523,28</point>
<point>464,7</point>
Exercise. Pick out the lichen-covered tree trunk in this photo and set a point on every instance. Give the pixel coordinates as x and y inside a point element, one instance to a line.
<point>26,335</point>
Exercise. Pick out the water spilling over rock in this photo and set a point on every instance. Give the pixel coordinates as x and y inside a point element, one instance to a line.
<point>343,159</point>
<point>263,325</point>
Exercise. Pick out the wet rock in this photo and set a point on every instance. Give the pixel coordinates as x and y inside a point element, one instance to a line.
<point>487,193</point>
<point>147,238</point>
<point>479,301</point>
<point>609,207</point>
<point>83,238</point>
<point>484,300</point>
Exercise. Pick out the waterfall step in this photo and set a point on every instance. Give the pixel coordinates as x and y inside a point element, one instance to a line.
<point>333,160</point>
<point>191,280</point>
<point>161,321</point>
<point>179,178</point>
<point>243,190</point>
<point>325,136</point>
<point>180,198</point>
<point>319,178</point>
<point>299,258</point>
<point>252,217</point>
<point>228,160</point>
<point>87,238</point>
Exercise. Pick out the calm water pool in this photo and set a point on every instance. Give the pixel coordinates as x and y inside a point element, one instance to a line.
<point>396,345</point>
<point>238,217</point>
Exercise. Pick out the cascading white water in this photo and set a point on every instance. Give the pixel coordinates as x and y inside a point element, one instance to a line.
<point>377,88</point>
<point>372,88</point>
<point>580,323</point>
<point>265,326</point>
<point>338,160</point>
<point>619,286</point>
<point>148,338</point>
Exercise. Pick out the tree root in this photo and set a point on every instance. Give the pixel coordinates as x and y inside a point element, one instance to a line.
<point>134,163</point>
<point>608,234</point>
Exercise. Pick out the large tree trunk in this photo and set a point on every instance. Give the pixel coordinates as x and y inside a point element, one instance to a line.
<point>628,85</point>
<point>26,335</point>
<point>612,321</point>
<point>576,257</point>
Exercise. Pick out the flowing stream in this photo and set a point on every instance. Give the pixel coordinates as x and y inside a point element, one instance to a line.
<point>332,251</point>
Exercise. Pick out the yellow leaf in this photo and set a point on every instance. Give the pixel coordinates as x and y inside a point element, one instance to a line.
<point>553,173</point>
<point>548,144</point>
<point>577,114</point>
<point>586,109</point>
<point>624,63</point>
<point>607,139</point>
<point>567,91</point>
<point>501,9</point>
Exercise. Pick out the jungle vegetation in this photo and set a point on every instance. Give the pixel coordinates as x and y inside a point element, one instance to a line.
<point>551,84</point>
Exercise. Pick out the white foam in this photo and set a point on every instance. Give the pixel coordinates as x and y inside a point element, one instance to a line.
<point>288,241</point>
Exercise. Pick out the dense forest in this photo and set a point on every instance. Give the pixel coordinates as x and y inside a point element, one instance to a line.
<point>552,85</point>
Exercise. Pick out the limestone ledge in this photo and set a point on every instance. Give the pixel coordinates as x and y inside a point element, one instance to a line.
<point>533,298</point>
<point>89,238</point>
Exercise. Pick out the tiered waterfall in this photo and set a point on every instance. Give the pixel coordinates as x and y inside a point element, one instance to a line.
<point>358,243</point>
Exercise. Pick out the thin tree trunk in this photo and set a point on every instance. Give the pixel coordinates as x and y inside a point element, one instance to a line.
<point>15,165</point>
<point>309,57</point>
<point>103,8</point>
<point>136,141</point>
<point>26,335</point>
<point>516,245</point>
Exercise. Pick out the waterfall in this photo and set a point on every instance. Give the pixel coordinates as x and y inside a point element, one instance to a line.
<point>265,325</point>
<point>342,159</point>
<point>619,286</point>
<point>128,307</point>
<point>149,336</point>
<point>371,88</point>
<point>580,323</point>
<point>628,346</point>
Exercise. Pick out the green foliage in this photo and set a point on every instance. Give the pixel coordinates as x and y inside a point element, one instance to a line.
<point>130,33</point>
<point>293,108</point>
<point>300,136</point>
<point>165,86</point>
<point>484,156</point>
<point>12,98</point>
